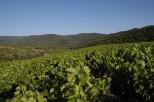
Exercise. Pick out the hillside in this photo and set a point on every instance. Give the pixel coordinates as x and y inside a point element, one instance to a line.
<point>79,40</point>
<point>133,35</point>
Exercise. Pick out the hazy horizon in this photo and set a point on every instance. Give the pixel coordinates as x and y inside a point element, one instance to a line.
<point>74,33</point>
<point>37,17</point>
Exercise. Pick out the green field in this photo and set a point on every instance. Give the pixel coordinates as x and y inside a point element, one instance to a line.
<point>109,73</point>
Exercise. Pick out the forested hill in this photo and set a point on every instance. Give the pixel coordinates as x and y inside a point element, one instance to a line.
<point>133,35</point>
<point>79,40</point>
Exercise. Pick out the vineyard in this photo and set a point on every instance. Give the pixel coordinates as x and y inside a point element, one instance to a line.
<point>105,73</point>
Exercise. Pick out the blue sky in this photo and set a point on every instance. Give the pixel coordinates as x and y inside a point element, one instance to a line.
<point>30,17</point>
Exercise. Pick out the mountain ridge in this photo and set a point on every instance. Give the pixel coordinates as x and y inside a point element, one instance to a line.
<point>80,40</point>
